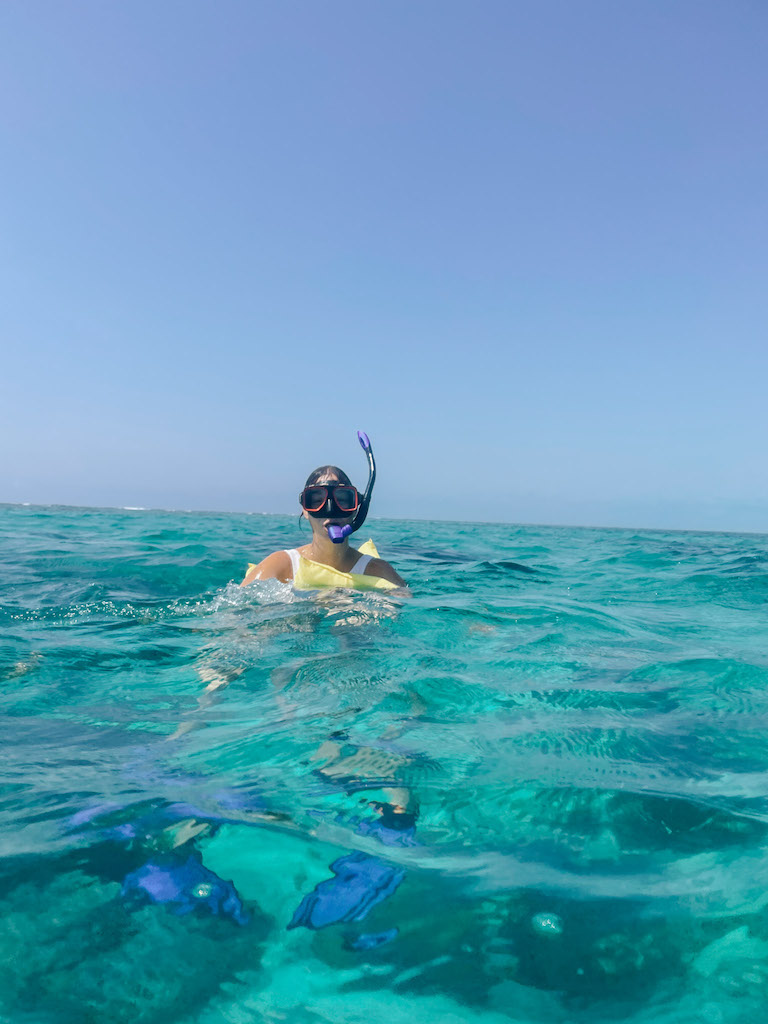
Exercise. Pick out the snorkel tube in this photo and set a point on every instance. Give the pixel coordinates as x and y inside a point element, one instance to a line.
<point>340,533</point>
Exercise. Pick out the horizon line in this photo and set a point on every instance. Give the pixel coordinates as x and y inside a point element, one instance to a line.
<point>395,519</point>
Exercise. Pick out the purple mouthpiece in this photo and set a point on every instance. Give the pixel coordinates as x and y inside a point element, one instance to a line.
<point>338,533</point>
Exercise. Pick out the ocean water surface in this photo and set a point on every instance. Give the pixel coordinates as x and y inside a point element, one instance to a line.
<point>534,791</point>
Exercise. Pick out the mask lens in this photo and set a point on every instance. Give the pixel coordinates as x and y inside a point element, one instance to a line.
<point>345,498</point>
<point>314,498</point>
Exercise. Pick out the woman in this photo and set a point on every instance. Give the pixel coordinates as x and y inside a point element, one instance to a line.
<point>334,510</point>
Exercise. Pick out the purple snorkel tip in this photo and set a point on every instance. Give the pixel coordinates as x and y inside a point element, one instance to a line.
<point>362,437</point>
<point>338,533</point>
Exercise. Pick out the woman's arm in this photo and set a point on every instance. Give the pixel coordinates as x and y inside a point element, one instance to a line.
<point>378,567</point>
<point>276,566</point>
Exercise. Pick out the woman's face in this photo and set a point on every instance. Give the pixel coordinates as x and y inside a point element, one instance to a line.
<point>319,526</point>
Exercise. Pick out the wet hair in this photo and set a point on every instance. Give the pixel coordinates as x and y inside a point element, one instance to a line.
<point>323,472</point>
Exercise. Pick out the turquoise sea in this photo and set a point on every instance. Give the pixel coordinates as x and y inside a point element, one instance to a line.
<point>542,780</point>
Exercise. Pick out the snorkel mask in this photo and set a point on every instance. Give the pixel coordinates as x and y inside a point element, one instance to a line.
<point>341,500</point>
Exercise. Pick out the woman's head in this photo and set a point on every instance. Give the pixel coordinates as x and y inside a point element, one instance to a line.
<point>329,497</point>
<point>327,474</point>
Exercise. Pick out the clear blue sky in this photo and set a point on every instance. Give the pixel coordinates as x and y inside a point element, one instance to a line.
<point>523,244</point>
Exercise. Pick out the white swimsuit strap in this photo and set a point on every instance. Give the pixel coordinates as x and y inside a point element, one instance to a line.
<point>360,564</point>
<point>294,556</point>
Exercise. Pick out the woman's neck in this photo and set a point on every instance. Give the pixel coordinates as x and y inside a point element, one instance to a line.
<point>322,549</point>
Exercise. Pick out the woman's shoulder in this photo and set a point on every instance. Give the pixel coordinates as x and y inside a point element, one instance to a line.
<point>381,568</point>
<point>277,566</point>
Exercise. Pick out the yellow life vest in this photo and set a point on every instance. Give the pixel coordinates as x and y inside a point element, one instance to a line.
<point>314,575</point>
